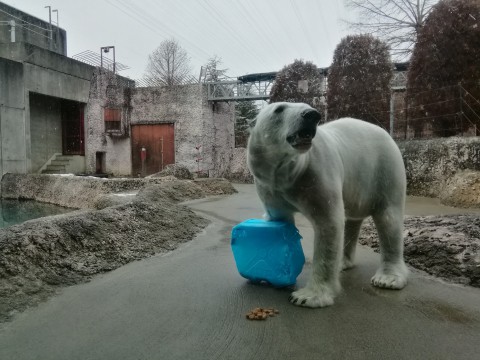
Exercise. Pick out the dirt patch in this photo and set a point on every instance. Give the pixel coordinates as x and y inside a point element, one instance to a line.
<point>43,255</point>
<point>178,171</point>
<point>444,246</point>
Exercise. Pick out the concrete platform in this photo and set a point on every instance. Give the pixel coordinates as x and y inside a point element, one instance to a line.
<point>191,304</point>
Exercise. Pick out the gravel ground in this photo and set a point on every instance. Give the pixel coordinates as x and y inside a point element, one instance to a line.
<point>41,256</point>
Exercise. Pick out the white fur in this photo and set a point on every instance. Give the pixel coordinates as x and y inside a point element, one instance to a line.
<point>352,170</point>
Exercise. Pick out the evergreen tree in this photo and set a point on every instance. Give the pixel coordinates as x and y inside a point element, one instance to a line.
<point>443,89</point>
<point>359,80</point>
<point>212,71</point>
<point>245,111</point>
<point>298,82</point>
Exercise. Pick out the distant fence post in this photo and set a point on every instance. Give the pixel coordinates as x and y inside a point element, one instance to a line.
<point>392,109</point>
<point>461,108</point>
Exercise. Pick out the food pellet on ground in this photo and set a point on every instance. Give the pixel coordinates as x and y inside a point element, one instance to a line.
<point>261,313</point>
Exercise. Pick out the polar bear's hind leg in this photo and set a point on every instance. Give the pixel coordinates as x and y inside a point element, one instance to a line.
<point>352,229</point>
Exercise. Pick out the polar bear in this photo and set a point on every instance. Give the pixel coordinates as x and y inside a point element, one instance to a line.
<point>336,175</point>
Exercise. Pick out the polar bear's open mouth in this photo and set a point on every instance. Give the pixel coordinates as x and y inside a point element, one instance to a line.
<point>302,140</point>
<point>303,145</point>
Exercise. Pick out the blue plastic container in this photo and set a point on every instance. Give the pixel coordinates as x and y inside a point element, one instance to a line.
<point>268,251</point>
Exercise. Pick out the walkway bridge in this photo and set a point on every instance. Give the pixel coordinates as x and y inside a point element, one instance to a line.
<point>247,87</point>
<point>258,86</point>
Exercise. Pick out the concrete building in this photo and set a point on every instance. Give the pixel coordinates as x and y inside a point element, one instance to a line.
<point>165,125</point>
<point>42,99</point>
<point>58,114</point>
<point>181,121</point>
<point>17,26</point>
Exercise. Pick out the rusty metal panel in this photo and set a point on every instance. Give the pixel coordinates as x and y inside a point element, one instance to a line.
<point>159,142</point>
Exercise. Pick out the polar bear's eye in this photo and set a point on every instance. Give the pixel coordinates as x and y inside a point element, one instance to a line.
<point>279,109</point>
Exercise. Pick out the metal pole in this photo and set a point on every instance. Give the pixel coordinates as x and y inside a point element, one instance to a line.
<point>461,108</point>
<point>161,140</point>
<point>143,157</point>
<point>50,22</point>
<point>392,109</point>
<point>49,14</point>
<point>12,31</point>
<point>113,47</point>
<point>56,42</point>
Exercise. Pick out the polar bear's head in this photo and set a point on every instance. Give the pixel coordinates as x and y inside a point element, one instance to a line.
<point>290,125</point>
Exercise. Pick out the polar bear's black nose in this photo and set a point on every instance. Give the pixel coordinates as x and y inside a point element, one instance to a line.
<point>304,129</point>
<point>307,133</point>
<point>311,115</point>
<point>308,127</point>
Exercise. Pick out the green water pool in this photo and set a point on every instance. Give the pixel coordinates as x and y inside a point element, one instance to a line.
<point>17,211</point>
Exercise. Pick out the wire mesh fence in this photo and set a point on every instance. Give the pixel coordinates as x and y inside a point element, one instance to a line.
<point>447,111</point>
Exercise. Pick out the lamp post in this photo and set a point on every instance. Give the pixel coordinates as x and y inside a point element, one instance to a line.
<point>50,22</point>
<point>58,31</point>
<point>106,50</point>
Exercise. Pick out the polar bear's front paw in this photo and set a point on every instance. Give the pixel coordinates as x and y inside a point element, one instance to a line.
<point>313,298</point>
<point>391,277</point>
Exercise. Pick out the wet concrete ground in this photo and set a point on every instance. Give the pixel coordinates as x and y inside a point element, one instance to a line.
<point>191,304</point>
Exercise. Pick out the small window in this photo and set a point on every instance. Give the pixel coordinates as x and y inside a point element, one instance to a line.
<point>113,119</point>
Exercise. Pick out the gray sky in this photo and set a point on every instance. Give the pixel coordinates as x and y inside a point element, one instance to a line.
<point>250,36</point>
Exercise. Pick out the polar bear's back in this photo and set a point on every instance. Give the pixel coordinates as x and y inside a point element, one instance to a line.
<point>354,134</point>
<point>350,125</point>
<point>372,163</point>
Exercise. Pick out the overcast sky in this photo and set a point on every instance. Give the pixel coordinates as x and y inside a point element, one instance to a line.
<point>250,36</point>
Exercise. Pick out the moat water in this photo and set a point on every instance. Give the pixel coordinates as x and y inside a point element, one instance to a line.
<point>17,211</point>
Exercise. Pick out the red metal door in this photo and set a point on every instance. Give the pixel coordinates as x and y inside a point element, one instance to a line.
<point>159,143</point>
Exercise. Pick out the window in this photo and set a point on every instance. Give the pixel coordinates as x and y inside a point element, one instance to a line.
<point>113,119</point>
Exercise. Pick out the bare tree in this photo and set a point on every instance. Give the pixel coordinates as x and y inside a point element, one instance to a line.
<point>168,65</point>
<point>397,22</point>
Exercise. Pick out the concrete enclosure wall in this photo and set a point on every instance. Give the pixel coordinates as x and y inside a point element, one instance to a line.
<point>431,163</point>
<point>12,117</point>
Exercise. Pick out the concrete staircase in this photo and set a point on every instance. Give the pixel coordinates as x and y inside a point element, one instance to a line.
<point>58,165</point>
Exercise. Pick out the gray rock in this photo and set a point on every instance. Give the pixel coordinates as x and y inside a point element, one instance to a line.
<point>443,246</point>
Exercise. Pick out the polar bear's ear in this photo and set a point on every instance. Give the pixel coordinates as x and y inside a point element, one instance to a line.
<point>252,123</point>
<point>279,109</point>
